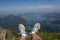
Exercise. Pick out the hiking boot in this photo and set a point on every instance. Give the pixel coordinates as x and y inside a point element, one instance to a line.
<point>21,29</point>
<point>36,27</point>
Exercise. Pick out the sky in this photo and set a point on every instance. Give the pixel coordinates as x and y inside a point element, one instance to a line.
<point>29,6</point>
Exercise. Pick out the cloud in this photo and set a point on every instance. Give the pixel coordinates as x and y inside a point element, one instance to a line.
<point>42,9</point>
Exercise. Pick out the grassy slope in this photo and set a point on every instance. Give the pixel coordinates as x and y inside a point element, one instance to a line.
<point>44,36</point>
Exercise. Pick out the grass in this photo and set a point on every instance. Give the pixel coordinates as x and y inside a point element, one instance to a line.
<point>44,36</point>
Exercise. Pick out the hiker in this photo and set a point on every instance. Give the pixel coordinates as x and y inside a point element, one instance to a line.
<point>34,36</point>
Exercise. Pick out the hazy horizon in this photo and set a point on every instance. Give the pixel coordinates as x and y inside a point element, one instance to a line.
<point>29,6</point>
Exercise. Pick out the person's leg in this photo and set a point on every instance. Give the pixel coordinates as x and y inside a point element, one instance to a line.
<point>23,37</point>
<point>22,31</point>
<point>34,36</point>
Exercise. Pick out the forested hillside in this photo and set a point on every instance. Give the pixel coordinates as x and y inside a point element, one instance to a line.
<point>11,21</point>
<point>49,22</point>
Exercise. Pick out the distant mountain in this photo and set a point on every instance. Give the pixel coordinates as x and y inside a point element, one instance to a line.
<point>53,15</point>
<point>12,21</point>
<point>30,16</point>
<point>49,21</point>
